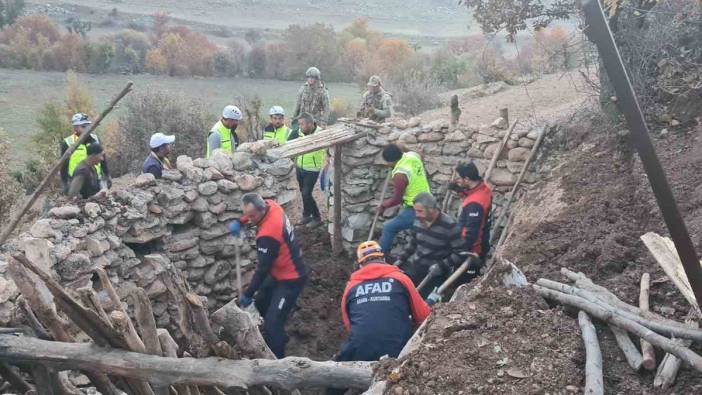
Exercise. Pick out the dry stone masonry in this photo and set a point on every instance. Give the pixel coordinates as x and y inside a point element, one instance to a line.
<point>145,233</point>
<point>442,148</point>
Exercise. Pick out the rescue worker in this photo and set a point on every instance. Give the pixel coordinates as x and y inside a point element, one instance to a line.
<point>377,102</point>
<point>80,123</point>
<point>161,146</point>
<point>436,247</point>
<point>475,219</point>
<point>223,133</point>
<point>309,166</point>
<point>409,180</point>
<point>313,98</point>
<point>379,307</point>
<point>86,180</point>
<point>277,130</point>
<point>280,273</point>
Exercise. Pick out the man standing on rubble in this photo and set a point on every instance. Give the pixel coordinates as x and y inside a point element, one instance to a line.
<point>313,98</point>
<point>409,180</point>
<point>81,122</point>
<point>475,219</point>
<point>436,247</point>
<point>380,306</point>
<point>280,273</point>
<point>377,102</point>
<point>223,133</point>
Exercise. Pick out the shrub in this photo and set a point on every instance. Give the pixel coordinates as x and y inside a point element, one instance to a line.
<point>256,62</point>
<point>130,51</point>
<point>414,91</point>
<point>390,57</point>
<point>313,45</point>
<point>10,191</point>
<point>159,111</point>
<point>185,53</point>
<point>339,108</point>
<point>99,57</point>
<point>231,60</point>
<point>10,10</point>
<point>156,63</point>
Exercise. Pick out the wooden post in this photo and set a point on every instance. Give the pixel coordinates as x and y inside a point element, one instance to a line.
<point>455,112</point>
<point>50,175</point>
<point>144,315</point>
<point>649,354</point>
<point>337,245</point>
<point>497,153</point>
<point>504,113</point>
<point>382,197</point>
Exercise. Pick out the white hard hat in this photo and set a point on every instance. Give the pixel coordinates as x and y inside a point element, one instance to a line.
<point>80,119</point>
<point>276,110</point>
<point>232,112</point>
<point>159,139</point>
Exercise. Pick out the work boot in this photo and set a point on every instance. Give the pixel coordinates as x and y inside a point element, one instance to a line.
<point>314,222</point>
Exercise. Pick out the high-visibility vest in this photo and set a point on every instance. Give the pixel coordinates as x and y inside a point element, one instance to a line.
<point>80,154</point>
<point>226,135</point>
<point>312,161</point>
<point>281,134</point>
<point>412,167</point>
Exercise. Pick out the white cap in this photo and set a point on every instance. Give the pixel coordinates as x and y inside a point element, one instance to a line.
<point>232,112</point>
<point>276,110</point>
<point>80,119</point>
<point>159,139</point>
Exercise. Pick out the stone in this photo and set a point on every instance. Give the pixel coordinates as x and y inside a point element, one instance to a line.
<point>114,241</point>
<point>65,212</point>
<point>430,137</point>
<point>475,153</point>
<point>533,134</point>
<point>144,180</point>
<point>222,161</point>
<point>73,266</point>
<point>280,168</point>
<point>519,154</point>
<point>218,209</point>
<point>207,188</point>
<point>195,174</point>
<point>205,220</point>
<point>201,163</point>
<point>358,221</point>
<point>217,198</point>
<point>42,229</point>
<point>519,133</point>
<point>169,194</point>
<point>182,245</point>
<point>501,164</point>
<point>408,138</point>
<point>511,144</point>
<point>155,209</point>
<point>499,123</point>
<point>242,161</point>
<point>526,142</point>
<point>8,290</point>
<point>144,236</point>
<point>156,288</point>
<point>212,232</point>
<point>248,182</point>
<point>491,149</point>
<point>456,135</point>
<point>171,174</point>
<point>400,124</point>
<point>414,122</point>
<point>96,247</point>
<point>227,186</point>
<point>481,138</point>
<point>200,204</point>
<point>674,123</point>
<point>213,174</point>
<point>190,196</point>
<point>200,262</point>
<point>502,177</point>
<point>183,161</point>
<point>218,271</point>
<point>454,149</point>
<point>195,275</point>
<point>91,209</point>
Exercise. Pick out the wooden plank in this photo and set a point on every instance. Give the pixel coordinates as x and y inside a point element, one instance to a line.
<point>337,245</point>
<point>333,135</point>
<point>665,253</point>
<point>647,351</point>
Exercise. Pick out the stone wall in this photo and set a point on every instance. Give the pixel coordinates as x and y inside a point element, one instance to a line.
<point>161,227</point>
<point>442,148</point>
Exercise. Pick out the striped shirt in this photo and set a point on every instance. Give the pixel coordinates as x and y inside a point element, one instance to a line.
<point>440,243</point>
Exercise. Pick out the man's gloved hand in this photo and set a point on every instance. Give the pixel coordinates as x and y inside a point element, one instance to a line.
<point>245,301</point>
<point>235,228</point>
<point>435,270</point>
<point>433,298</point>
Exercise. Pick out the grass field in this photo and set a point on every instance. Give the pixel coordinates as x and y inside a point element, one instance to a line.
<point>22,93</point>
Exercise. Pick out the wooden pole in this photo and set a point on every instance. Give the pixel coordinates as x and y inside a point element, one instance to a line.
<point>136,344</point>
<point>382,197</point>
<point>649,354</point>
<point>144,315</point>
<point>631,353</point>
<point>289,373</point>
<point>337,244</point>
<point>594,384</point>
<point>49,176</point>
<point>513,192</point>
<point>497,153</point>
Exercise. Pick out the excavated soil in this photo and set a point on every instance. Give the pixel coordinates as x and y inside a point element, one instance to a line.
<point>501,342</point>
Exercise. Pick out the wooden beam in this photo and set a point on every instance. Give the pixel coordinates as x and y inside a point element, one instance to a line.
<point>336,134</point>
<point>337,245</point>
<point>288,373</point>
<point>497,153</point>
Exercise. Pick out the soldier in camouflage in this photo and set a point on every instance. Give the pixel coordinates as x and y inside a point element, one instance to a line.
<point>313,98</point>
<point>377,102</point>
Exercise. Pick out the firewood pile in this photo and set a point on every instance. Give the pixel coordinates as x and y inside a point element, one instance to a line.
<point>119,348</point>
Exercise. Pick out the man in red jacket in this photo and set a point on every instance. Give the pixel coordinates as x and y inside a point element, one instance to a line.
<point>380,307</point>
<point>280,273</point>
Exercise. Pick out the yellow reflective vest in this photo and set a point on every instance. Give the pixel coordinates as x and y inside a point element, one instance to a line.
<point>226,135</point>
<point>79,154</point>
<point>412,167</point>
<point>312,161</point>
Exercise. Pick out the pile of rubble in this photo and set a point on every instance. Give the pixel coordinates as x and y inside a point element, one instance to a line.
<point>175,224</point>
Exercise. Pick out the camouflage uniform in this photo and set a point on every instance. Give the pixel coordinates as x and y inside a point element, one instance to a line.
<point>376,106</point>
<point>315,101</point>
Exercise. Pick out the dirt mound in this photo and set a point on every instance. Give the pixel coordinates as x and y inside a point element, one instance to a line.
<point>502,341</point>
<point>316,330</point>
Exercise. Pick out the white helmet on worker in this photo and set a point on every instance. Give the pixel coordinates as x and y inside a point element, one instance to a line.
<point>276,110</point>
<point>232,112</point>
<point>80,119</point>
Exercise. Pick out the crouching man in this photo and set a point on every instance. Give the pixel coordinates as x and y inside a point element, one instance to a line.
<point>280,274</point>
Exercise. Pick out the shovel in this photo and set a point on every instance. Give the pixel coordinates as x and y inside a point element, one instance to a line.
<point>435,296</point>
<point>250,309</point>
<point>377,213</point>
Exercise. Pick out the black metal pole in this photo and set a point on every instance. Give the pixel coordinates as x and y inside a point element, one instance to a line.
<point>598,32</point>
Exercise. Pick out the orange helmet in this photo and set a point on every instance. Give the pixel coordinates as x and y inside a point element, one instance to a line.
<point>368,249</point>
